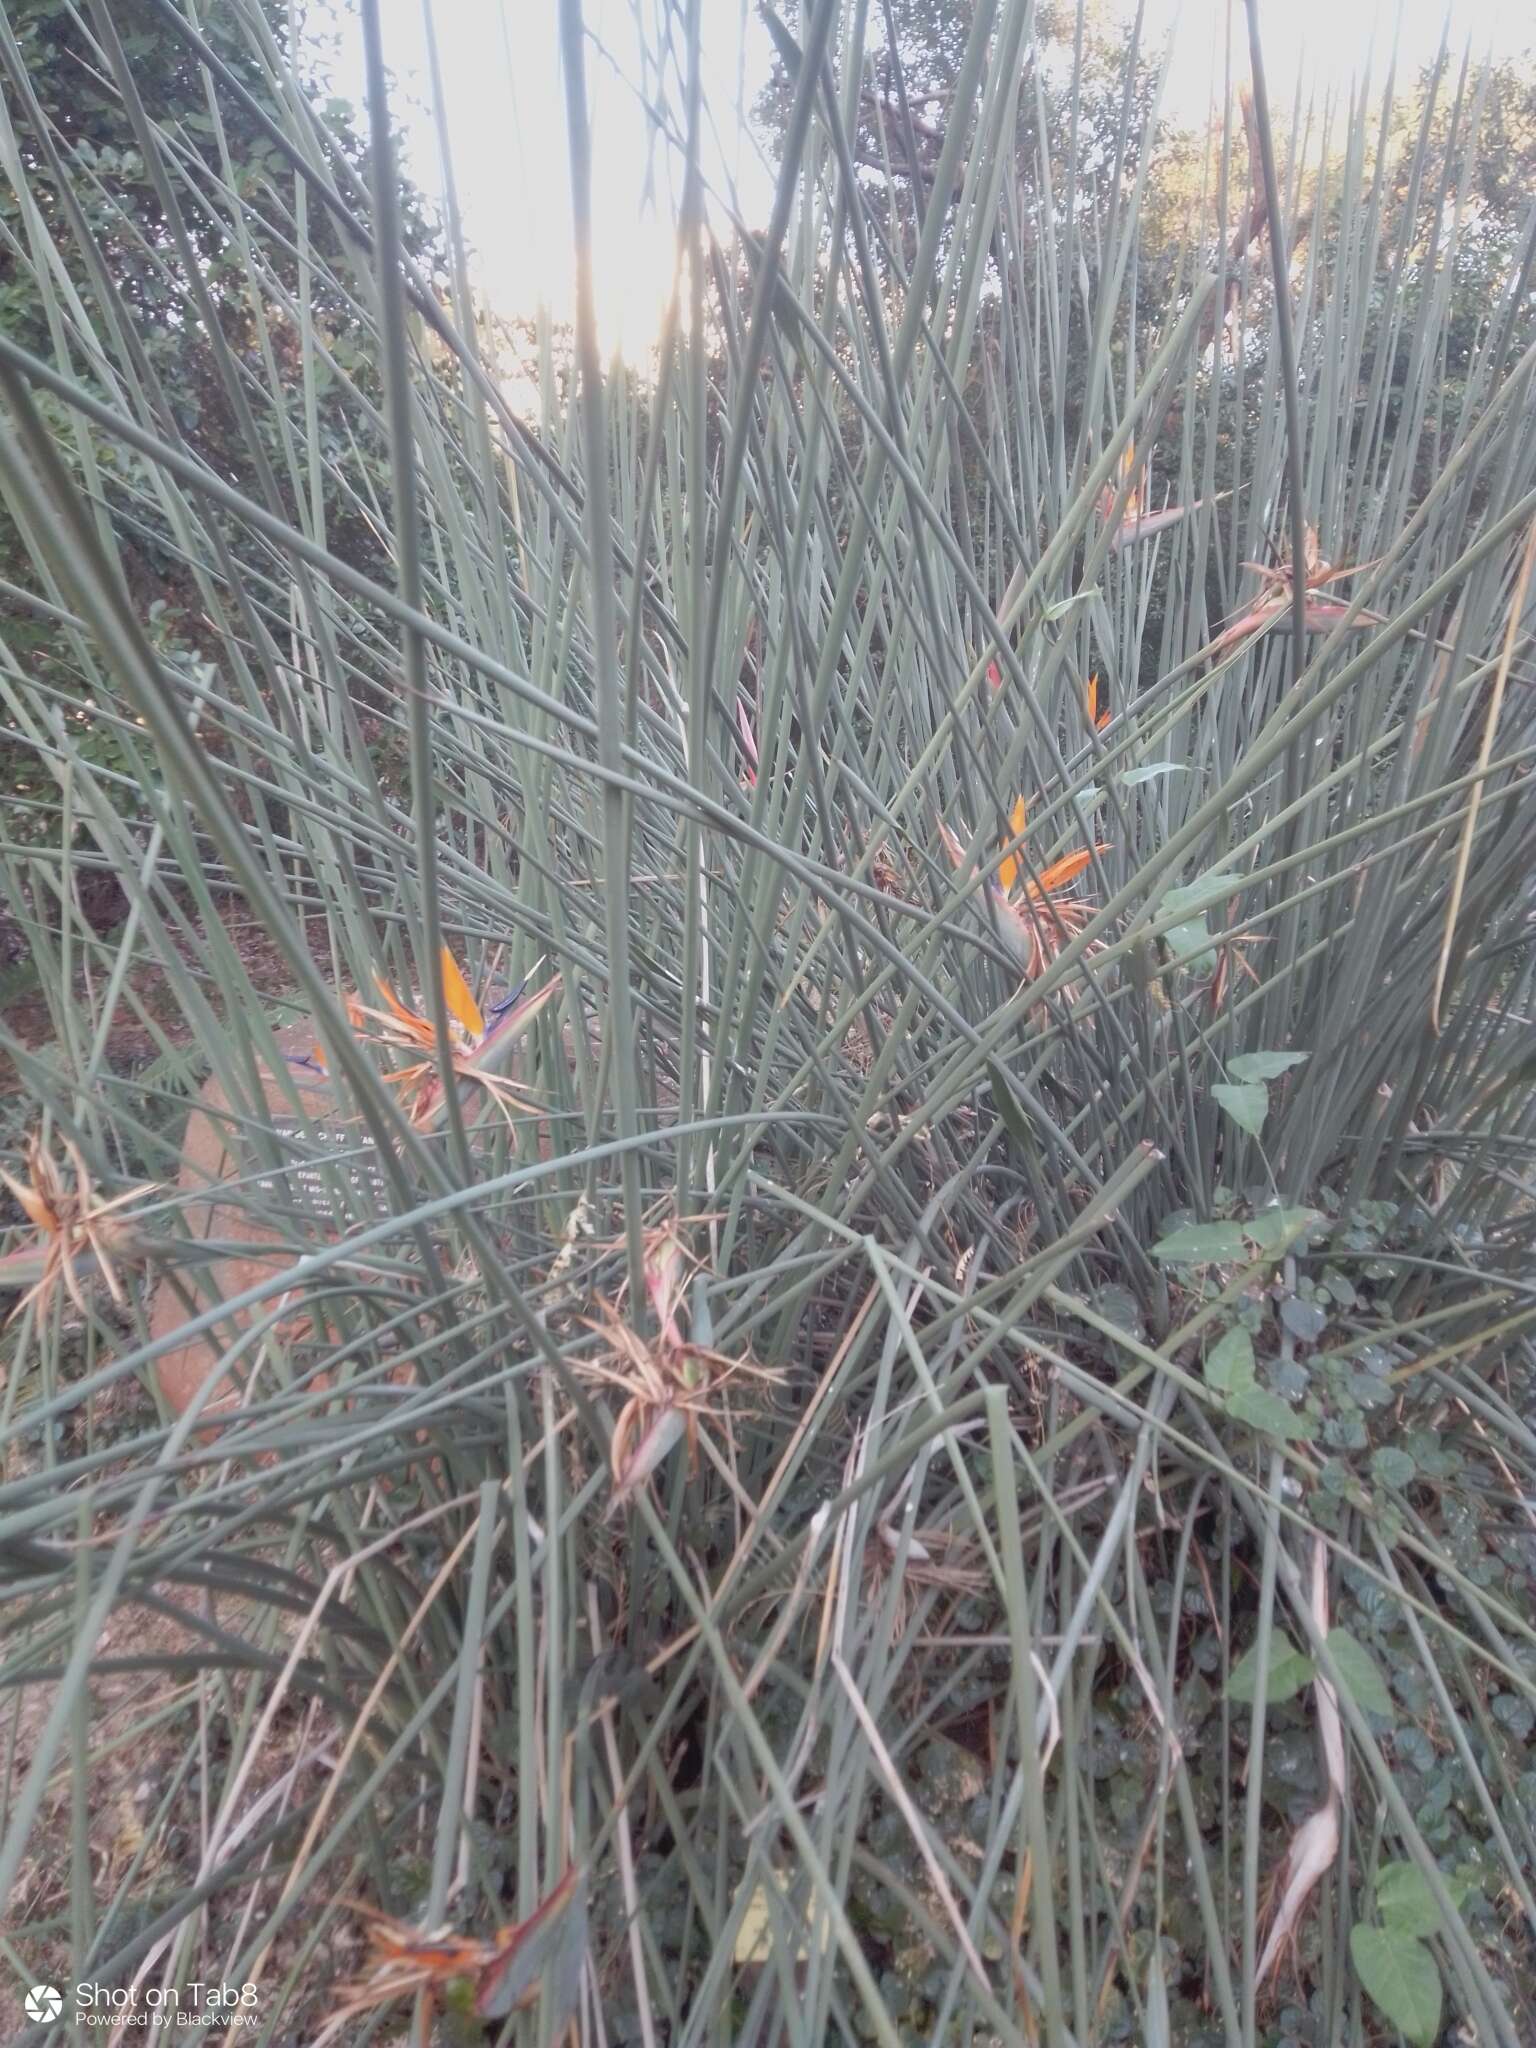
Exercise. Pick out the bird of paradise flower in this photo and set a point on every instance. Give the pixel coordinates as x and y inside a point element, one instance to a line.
<point>1036,926</point>
<point>1277,595</point>
<point>497,1977</point>
<point>1098,714</point>
<point>672,1385</point>
<point>75,1230</point>
<point>1136,522</point>
<point>478,1046</point>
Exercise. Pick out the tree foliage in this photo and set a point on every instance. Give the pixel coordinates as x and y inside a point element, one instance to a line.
<point>177,231</point>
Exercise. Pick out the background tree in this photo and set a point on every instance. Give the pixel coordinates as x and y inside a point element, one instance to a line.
<point>1090,142</point>
<point>244,362</point>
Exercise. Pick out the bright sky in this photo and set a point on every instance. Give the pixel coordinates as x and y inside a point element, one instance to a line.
<point>505,103</point>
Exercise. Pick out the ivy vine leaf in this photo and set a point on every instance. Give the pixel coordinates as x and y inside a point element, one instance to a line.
<point>1402,1978</point>
<point>1229,1364</point>
<point>1391,1466</point>
<point>1247,1103</point>
<point>1275,1230</point>
<point>1265,1411</point>
<point>1196,895</point>
<point>1229,1371</point>
<point>1007,1103</point>
<point>1288,1672</point>
<point>1189,945</point>
<point>1272,1231</point>
<point>1304,1319</point>
<point>1199,1244</point>
<point>1514,1713</point>
<point>1264,1066</point>
<point>1189,941</point>
<point>1406,1903</point>
<point>1360,1673</point>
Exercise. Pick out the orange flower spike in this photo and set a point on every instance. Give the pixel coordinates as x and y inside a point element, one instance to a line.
<point>71,1226</point>
<point>407,1019</point>
<point>1096,718</point>
<point>1313,565</point>
<point>517,1947</point>
<point>35,1205</point>
<point>1030,931</point>
<point>665,1281</point>
<point>1060,872</point>
<point>1008,867</point>
<point>952,845</point>
<point>1128,467</point>
<point>403,1961</point>
<point>462,1006</point>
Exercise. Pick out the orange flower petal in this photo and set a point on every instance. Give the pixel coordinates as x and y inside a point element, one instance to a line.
<point>1060,872</point>
<point>501,1984</point>
<point>38,1213</point>
<point>1325,612</point>
<point>665,1279</point>
<point>1129,466</point>
<point>1096,718</point>
<point>1008,867</point>
<point>407,1017</point>
<point>952,845</point>
<point>462,1006</point>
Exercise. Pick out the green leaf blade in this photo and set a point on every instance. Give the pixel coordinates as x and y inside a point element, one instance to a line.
<point>1201,1244</point>
<point>1402,1978</point>
<point>1264,1066</point>
<point>1360,1673</point>
<point>1288,1673</point>
<point>1246,1103</point>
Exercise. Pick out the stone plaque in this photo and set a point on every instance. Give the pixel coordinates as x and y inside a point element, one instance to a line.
<point>212,1154</point>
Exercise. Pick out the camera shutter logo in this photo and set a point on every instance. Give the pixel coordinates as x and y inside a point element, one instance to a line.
<point>43,2002</point>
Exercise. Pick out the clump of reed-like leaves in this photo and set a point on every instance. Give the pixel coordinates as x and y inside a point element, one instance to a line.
<point>996,799</point>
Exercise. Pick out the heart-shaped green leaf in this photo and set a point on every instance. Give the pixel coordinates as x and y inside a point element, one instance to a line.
<point>1392,1467</point>
<point>1402,1977</point>
<point>1247,1103</point>
<point>1014,1119</point>
<point>1360,1672</point>
<point>1304,1319</point>
<point>1263,1066</point>
<point>1405,1901</point>
<point>1263,1410</point>
<point>1229,1364</point>
<point>1190,946</point>
<point>1288,1672</point>
<point>1201,1243</point>
<point>1195,895</point>
<point>1276,1229</point>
